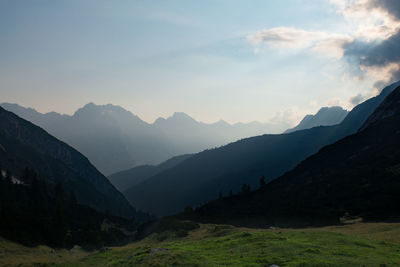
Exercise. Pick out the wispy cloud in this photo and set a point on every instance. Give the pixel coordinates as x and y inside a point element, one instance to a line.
<point>287,37</point>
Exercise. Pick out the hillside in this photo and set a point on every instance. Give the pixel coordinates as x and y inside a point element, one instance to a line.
<point>326,116</point>
<point>356,176</point>
<point>24,145</point>
<point>128,178</point>
<point>32,212</point>
<point>206,175</point>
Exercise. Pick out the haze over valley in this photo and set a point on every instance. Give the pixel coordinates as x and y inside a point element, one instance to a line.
<point>114,139</point>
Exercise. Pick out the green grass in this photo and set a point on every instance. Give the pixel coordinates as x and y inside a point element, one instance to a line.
<point>12,254</point>
<point>359,244</point>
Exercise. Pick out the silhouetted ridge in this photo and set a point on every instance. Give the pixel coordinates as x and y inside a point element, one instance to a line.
<point>390,107</point>
<point>360,113</point>
<point>356,176</point>
<point>205,175</point>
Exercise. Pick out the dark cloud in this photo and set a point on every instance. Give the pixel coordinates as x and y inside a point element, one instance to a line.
<point>378,54</point>
<point>375,54</point>
<point>392,6</point>
<point>384,53</point>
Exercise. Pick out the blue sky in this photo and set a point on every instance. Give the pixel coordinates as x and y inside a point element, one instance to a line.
<point>221,59</point>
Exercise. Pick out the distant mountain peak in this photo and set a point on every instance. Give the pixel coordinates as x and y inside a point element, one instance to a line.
<point>177,117</point>
<point>325,109</point>
<point>325,116</point>
<point>181,115</point>
<point>159,120</point>
<point>222,123</point>
<point>93,106</point>
<point>93,110</point>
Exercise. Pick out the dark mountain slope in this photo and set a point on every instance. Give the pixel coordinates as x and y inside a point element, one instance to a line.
<point>357,176</point>
<point>202,177</point>
<point>126,179</point>
<point>35,213</point>
<point>390,107</point>
<point>24,145</point>
<point>326,116</point>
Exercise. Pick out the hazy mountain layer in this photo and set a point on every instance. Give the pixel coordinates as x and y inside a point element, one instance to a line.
<point>203,176</point>
<point>114,139</point>
<point>357,176</point>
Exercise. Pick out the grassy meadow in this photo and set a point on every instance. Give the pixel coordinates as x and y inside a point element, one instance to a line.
<point>359,244</point>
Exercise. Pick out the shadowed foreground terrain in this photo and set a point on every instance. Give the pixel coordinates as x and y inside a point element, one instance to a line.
<point>360,244</point>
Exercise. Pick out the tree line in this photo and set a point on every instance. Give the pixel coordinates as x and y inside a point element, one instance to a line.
<point>34,212</point>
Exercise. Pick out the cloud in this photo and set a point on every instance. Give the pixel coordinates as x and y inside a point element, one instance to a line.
<point>391,6</point>
<point>291,115</point>
<point>378,57</point>
<point>336,101</point>
<point>369,20</point>
<point>357,99</point>
<point>287,37</point>
<point>333,46</point>
<point>371,46</point>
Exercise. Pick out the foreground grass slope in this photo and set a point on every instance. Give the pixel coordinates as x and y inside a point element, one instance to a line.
<point>13,254</point>
<point>361,244</point>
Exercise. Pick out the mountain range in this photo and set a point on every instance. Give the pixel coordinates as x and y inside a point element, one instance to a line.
<point>358,176</point>
<point>206,175</point>
<point>114,139</point>
<point>123,180</point>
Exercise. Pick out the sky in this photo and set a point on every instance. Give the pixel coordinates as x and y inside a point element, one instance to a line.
<point>240,61</point>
